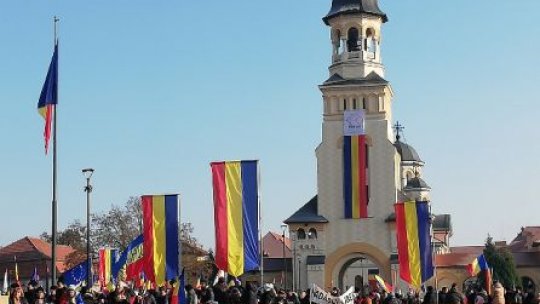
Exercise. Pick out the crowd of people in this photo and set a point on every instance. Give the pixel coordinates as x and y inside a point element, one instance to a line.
<point>235,293</point>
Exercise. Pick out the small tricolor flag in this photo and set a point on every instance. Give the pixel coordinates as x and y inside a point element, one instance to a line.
<point>49,97</point>
<point>160,233</point>
<point>477,265</point>
<point>107,257</point>
<point>236,215</point>
<point>414,242</point>
<point>387,287</point>
<point>355,185</point>
<point>35,275</point>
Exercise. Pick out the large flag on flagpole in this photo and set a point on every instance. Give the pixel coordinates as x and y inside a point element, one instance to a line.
<point>160,233</point>
<point>414,242</point>
<point>236,215</point>
<point>49,97</point>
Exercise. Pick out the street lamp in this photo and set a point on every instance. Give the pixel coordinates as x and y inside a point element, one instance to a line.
<point>284,227</point>
<point>88,189</point>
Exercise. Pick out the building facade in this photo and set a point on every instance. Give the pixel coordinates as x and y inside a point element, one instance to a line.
<point>331,249</point>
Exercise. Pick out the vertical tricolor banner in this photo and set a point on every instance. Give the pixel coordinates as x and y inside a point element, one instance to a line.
<point>236,215</point>
<point>355,166</point>
<point>413,225</point>
<point>355,186</point>
<point>107,258</point>
<point>160,234</point>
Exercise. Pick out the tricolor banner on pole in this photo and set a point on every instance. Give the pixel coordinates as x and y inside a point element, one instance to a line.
<point>236,215</point>
<point>107,257</point>
<point>413,225</point>
<point>161,252</point>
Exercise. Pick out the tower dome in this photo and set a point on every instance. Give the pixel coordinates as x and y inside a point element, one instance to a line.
<point>340,7</point>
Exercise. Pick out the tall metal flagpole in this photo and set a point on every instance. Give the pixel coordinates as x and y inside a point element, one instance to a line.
<point>54,177</point>
<point>261,243</point>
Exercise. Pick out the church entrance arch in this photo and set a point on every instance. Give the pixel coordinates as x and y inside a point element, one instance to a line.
<point>366,259</point>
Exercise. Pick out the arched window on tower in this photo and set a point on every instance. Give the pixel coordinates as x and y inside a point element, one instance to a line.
<point>352,40</point>
<point>370,43</point>
<point>301,234</point>
<point>312,234</point>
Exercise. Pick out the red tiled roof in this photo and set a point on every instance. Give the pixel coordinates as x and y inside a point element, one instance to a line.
<point>467,249</point>
<point>273,245</point>
<point>33,252</point>
<point>525,239</point>
<point>458,256</point>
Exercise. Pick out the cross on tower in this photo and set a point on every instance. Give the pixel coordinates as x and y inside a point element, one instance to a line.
<point>399,128</point>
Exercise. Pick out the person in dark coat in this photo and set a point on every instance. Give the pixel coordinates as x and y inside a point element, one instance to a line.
<point>442,295</point>
<point>430,297</point>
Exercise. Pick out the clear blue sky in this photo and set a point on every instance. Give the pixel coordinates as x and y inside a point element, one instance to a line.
<point>152,91</point>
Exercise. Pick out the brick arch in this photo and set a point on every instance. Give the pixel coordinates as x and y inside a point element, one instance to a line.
<point>375,254</point>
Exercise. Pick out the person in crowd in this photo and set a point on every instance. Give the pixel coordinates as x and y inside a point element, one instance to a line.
<point>17,296</point>
<point>250,294</point>
<point>430,297</point>
<point>149,296</point>
<point>442,295</point>
<point>71,295</point>
<point>481,297</point>
<point>498,294</point>
<point>304,297</point>
<point>30,293</point>
<point>161,297</point>
<point>51,297</point>
<point>220,291</point>
<point>40,296</point>
<point>454,296</point>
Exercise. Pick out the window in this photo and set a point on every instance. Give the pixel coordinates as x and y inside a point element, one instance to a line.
<point>301,234</point>
<point>352,40</point>
<point>312,233</point>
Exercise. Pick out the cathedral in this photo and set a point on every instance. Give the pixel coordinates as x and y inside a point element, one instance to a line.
<point>331,248</point>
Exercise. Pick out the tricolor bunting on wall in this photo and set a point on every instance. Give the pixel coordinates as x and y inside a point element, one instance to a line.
<point>413,223</point>
<point>355,183</point>
<point>236,215</point>
<point>107,257</point>
<point>48,98</point>
<point>160,233</point>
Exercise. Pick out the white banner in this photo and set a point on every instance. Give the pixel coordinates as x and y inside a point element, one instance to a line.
<point>353,122</point>
<point>319,296</point>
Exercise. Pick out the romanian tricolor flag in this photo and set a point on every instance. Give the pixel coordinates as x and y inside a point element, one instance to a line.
<point>355,182</point>
<point>49,97</point>
<point>387,287</point>
<point>477,265</point>
<point>107,258</point>
<point>236,215</point>
<point>160,233</point>
<point>414,242</point>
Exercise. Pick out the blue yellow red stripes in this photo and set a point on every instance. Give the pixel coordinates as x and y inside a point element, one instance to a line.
<point>477,265</point>
<point>106,260</point>
<point>160,233</point>
<point>355,184</point>
<point>48,98</point>
<point>414,243</point>
<point>235,185</point>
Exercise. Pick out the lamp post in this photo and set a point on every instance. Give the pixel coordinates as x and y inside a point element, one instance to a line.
<point>88,189</point>
<point>284,227</point>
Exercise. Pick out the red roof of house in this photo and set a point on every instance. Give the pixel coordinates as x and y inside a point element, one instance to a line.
<point>34,250</point>
<point>273,245</point>
<point>527,240</point>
